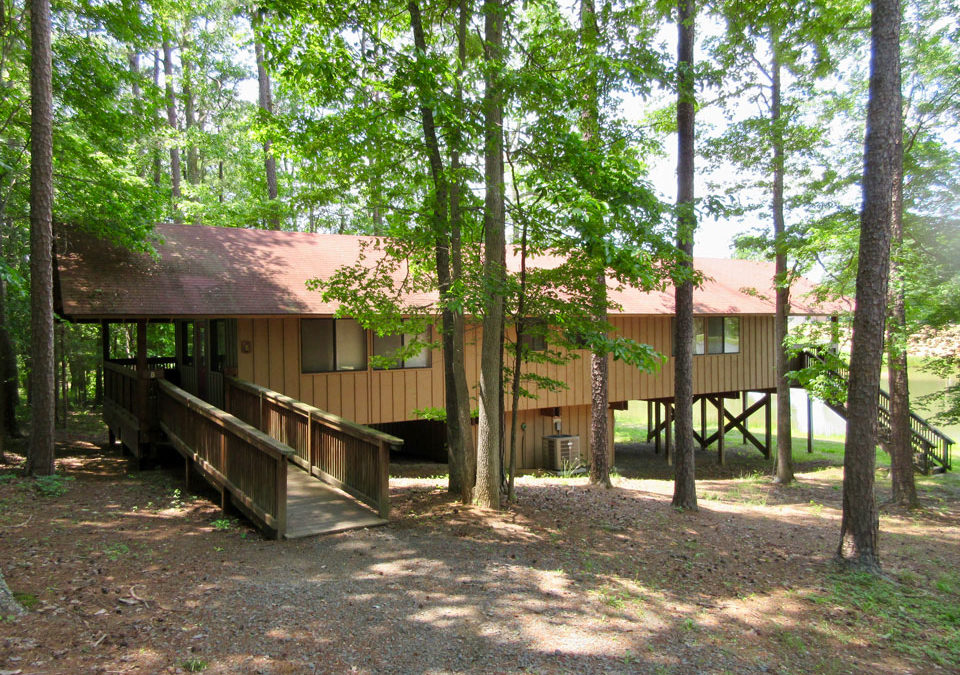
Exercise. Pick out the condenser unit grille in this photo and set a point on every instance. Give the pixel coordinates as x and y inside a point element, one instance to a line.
<point>561,451</point>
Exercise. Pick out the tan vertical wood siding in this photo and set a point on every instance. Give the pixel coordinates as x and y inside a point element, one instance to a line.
<point>380,396</point>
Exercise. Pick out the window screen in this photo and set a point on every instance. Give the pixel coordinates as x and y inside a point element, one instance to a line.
<point>316,345</point>
<point>715,335</point>
<point>731,335</point>
<point>389,344</point>
<point>351,345</point>
<point>421,360</point>
<point>698,336</point>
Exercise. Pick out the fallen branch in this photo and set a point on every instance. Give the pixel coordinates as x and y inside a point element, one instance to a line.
<point>23,524</point>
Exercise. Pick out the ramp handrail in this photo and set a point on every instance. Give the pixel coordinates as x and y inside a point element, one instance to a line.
<point>350,456</point>
<point>231,453</point>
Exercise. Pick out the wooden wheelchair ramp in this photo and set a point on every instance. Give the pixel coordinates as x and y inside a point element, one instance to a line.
<point>315,508</point>
<point>293,469</point>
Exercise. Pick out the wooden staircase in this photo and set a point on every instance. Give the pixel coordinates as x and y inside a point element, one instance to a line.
<point>931,447</point>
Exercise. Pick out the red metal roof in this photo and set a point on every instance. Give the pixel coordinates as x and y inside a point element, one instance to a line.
<point>212,271</point>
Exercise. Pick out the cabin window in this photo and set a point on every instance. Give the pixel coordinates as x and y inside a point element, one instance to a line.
<point>723,335</point>
<point>713,335</point>
<point>332,344</point>
<point>731,335</point>
<point>534,336</point>
<point>389,345</point>
<point>698,337</point>
<point>186,340</point>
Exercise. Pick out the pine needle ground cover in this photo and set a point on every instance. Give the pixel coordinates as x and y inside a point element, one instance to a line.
<point>130,572</point>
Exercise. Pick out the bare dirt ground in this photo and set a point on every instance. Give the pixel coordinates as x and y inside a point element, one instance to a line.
<point>128,572</point>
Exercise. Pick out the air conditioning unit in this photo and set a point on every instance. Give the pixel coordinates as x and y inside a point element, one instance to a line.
<point>561,451</point>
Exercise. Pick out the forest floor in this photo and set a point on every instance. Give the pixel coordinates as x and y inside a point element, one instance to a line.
<point>127,572</point>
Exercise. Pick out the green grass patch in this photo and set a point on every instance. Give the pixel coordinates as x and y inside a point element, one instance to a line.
<point>55,485</point>
<point>26,600</point>
<point>116,551</point>
<point>920,620</point>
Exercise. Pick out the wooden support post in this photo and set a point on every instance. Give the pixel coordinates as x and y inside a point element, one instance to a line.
<point>703,422</point>
<point>767,419</point>
<point>650,426</point>
<point>656,444</point>
<point>310,456</point>
<point>721,420</point>
<point>281,491</point>
<point>383,498</point>
<point>743,406</point>
<point>141,395</point>
<point>668,413</point>
<point>809,423</point>
<point>186,473</point>
<point>111,438</point>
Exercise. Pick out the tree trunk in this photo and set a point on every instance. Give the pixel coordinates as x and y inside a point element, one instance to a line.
<point>487,492</point>
<point>904,489</point>
<point>599,371</point>
<point>781,280</point>
<point>172,123</point>
<point>517,357</point>
<point>860,522</point>
<point>464,428</point>
<point>40,460</point>
<point>133,64</point>
<point>9,377</point>
<point>189,107</point>
<point>157,160</point>
<point>266,104</point>
<point>684,487</point>
<point>65,406</point>
<point>459,434</point>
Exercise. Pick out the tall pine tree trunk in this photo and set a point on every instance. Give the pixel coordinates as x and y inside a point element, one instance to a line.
<point>9,376</point>
<point>781,280</point>
<point>459,433</point>
<point>157,151</point>
<point>684,487</point>
<point>599,370</point>
<point>40,460</point>
<point>904,489</point>
<point>859,526</point>
<point>456,371</point>
<point>172,123</point>
<point>189,106</point>
<point>266,105</point>
<point>487,493</point>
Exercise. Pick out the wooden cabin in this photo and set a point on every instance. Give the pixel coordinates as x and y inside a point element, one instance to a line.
<point>241,307</point>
